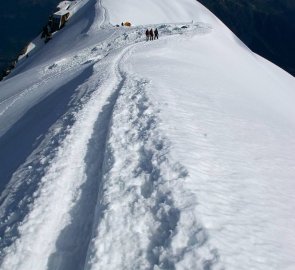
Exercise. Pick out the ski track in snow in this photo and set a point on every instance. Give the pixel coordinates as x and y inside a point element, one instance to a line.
<point>63,206</point>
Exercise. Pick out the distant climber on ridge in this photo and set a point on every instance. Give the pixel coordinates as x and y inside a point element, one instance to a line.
<point>156,34</point>
<point>147,34</point>
<point>151,34</point>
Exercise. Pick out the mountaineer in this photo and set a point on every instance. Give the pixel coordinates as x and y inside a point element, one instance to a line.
<point>156,34</point>
<point>147,34</point>
<point>151,34</point>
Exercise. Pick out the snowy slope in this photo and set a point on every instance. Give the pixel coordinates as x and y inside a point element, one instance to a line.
<point>234,133</point>
<point>152,11</point>
<point>117,153</point>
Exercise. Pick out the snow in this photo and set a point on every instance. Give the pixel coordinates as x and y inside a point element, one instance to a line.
<point>60,13</point>
<point>239,130</point>
<point>119,153</point>
<point>155,12</point>
<point>64,5</point>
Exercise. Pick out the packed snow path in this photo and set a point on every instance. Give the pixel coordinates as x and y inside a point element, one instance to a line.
<point>108,162</point>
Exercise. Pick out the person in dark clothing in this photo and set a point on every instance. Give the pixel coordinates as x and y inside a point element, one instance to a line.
<point>156,34</point>
<point>151,34</point>
<point>147,34</point>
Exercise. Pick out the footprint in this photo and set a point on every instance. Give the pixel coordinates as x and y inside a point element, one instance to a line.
<point>52,66</point>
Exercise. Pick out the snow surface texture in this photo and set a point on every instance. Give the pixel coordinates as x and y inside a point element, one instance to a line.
<point>117,153</point>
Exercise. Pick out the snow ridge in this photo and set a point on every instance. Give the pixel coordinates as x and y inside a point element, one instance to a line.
<point>116,152</point>
<point>23,201</point>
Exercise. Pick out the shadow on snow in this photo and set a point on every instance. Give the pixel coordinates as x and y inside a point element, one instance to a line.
<point>17,145</point>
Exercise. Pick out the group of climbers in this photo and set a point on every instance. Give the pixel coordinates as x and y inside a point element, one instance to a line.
<point>151,35</point>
